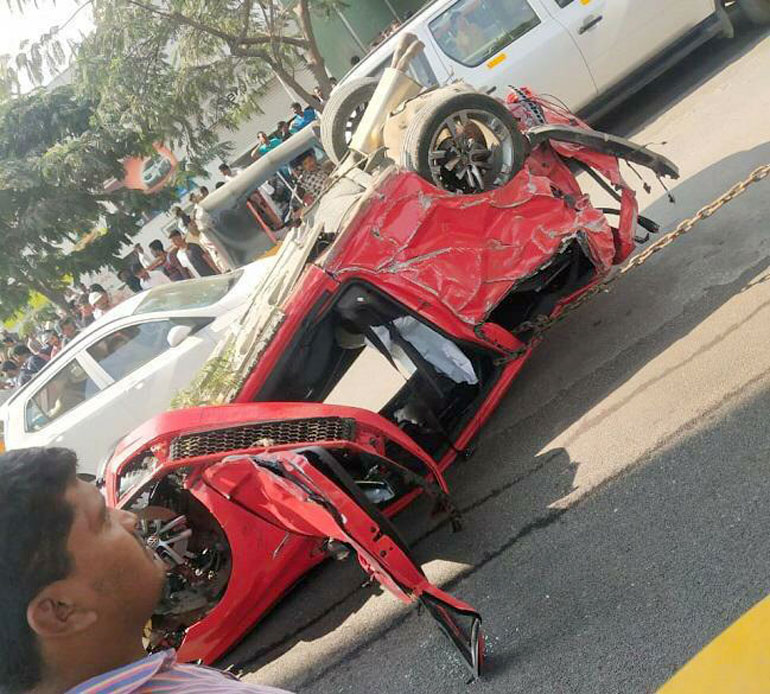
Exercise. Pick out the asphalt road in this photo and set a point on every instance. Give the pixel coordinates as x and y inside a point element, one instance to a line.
<point>616,509</point>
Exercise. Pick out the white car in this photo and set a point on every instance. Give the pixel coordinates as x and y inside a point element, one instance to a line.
<point>127,366</point>
<point>589,54</point>
<point>155,169</point>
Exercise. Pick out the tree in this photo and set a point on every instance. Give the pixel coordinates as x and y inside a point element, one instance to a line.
<point>54,164</point>
<point>188,68</point>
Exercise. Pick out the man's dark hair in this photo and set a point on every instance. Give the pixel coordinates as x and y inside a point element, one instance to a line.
<point>296,104</point>
<point>281,125</point>
<point>219,185</point>
<point>35,522</point>
<point>224,167</point>
<point>21,351</point>
<point>8,366</point>
<point>204,189</point>
<point>174,233</point>
<point>124,273</point>
<point>97,288</point>
<point>69,320</point>
<point>355,60</point>
<point>156,245</point>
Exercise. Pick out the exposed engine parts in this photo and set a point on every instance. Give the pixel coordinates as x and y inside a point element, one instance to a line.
<point>195,551</point>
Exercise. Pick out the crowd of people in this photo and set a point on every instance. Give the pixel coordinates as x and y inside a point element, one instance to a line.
<point>386,33</point>
<point>187,254</point>
<point>21,359</point>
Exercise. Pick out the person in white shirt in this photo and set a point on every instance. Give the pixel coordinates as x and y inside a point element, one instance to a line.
<point>144,257</point>
<point>192,256</point>
<point>149,278</point>
<point>100,301</point>
<point>227,171</point>
<point>199,227</point>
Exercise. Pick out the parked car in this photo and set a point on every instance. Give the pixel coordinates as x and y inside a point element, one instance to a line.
<point>127,366</point>
<point>589,54</point>
<point>387,331</point>
<point>155,169</point>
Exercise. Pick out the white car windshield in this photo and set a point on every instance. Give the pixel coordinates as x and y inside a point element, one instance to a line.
<point>180,296</point>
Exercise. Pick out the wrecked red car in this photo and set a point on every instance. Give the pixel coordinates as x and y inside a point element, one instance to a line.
<point>381,341</point>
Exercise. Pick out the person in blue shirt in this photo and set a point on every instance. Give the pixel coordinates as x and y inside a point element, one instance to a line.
<point>301,118</point>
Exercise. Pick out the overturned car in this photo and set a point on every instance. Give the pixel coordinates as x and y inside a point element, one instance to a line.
<point>383,338</point>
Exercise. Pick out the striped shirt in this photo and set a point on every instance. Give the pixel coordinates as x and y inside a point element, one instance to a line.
<point>161,674</point>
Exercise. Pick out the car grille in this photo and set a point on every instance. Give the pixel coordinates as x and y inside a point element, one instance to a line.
<point>262,434</point>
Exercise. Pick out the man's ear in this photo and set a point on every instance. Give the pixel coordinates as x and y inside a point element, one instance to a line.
<point>55,613</point>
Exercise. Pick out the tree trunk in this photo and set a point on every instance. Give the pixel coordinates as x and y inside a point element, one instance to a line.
<point>287,77</point>
<point>317,63</point>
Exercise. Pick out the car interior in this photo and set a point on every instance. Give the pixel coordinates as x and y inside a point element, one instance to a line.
<point>432,384</point>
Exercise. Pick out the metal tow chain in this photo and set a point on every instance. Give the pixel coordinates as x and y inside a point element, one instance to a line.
<point>542,324</point>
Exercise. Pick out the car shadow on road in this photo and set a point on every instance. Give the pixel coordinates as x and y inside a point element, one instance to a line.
<point>509,457</point>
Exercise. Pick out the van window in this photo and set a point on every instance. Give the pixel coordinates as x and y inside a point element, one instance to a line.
<point>125,350</point>
<point>471,31</point>
<point>419,70</point>
<point>67,389</point>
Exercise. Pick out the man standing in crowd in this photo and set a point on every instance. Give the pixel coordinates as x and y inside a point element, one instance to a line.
<point>26,363</point>
<point>301,118</point>
<point>199,230</point>
<point>53,343</point>
<point>77,587</point>
<point>99,300</point>
<point>149,278</point>
<point>192,257</point>
<point>282,129</point>
<point>168,262</point>
<point>310,177</point>
<point>68,329</point>
<point>142,256</point>
<point>130,279</point>
<point>86,312</point>
<point>227,171</point>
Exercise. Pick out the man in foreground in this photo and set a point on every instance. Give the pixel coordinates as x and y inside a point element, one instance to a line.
<point>77,586</point>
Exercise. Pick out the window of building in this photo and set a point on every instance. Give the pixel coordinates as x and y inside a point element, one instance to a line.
<point>472,31</point>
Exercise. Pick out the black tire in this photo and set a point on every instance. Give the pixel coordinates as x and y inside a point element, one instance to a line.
<point>342,113</point>
<point>430,122</point>
<point>756,11</point>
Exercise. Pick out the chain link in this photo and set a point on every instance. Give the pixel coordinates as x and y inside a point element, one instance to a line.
<point>542,324</point>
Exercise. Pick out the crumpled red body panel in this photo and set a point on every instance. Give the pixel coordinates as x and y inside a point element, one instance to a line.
<point>469,251</point>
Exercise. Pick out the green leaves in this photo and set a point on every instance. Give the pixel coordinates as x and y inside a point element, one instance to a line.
<point>54,162</point>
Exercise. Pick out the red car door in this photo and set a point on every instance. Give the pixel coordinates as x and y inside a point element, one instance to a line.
<point>308,492</point>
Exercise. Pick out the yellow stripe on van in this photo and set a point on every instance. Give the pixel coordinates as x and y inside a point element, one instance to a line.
<point>585,2</point>
<point>496,60</point>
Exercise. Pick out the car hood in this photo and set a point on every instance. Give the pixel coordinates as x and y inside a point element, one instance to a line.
<point>308,492</point>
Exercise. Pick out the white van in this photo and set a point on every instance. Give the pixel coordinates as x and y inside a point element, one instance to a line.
<point>590,54</point>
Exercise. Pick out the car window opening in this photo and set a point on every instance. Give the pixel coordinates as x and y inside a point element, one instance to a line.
<point>425,383</point>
